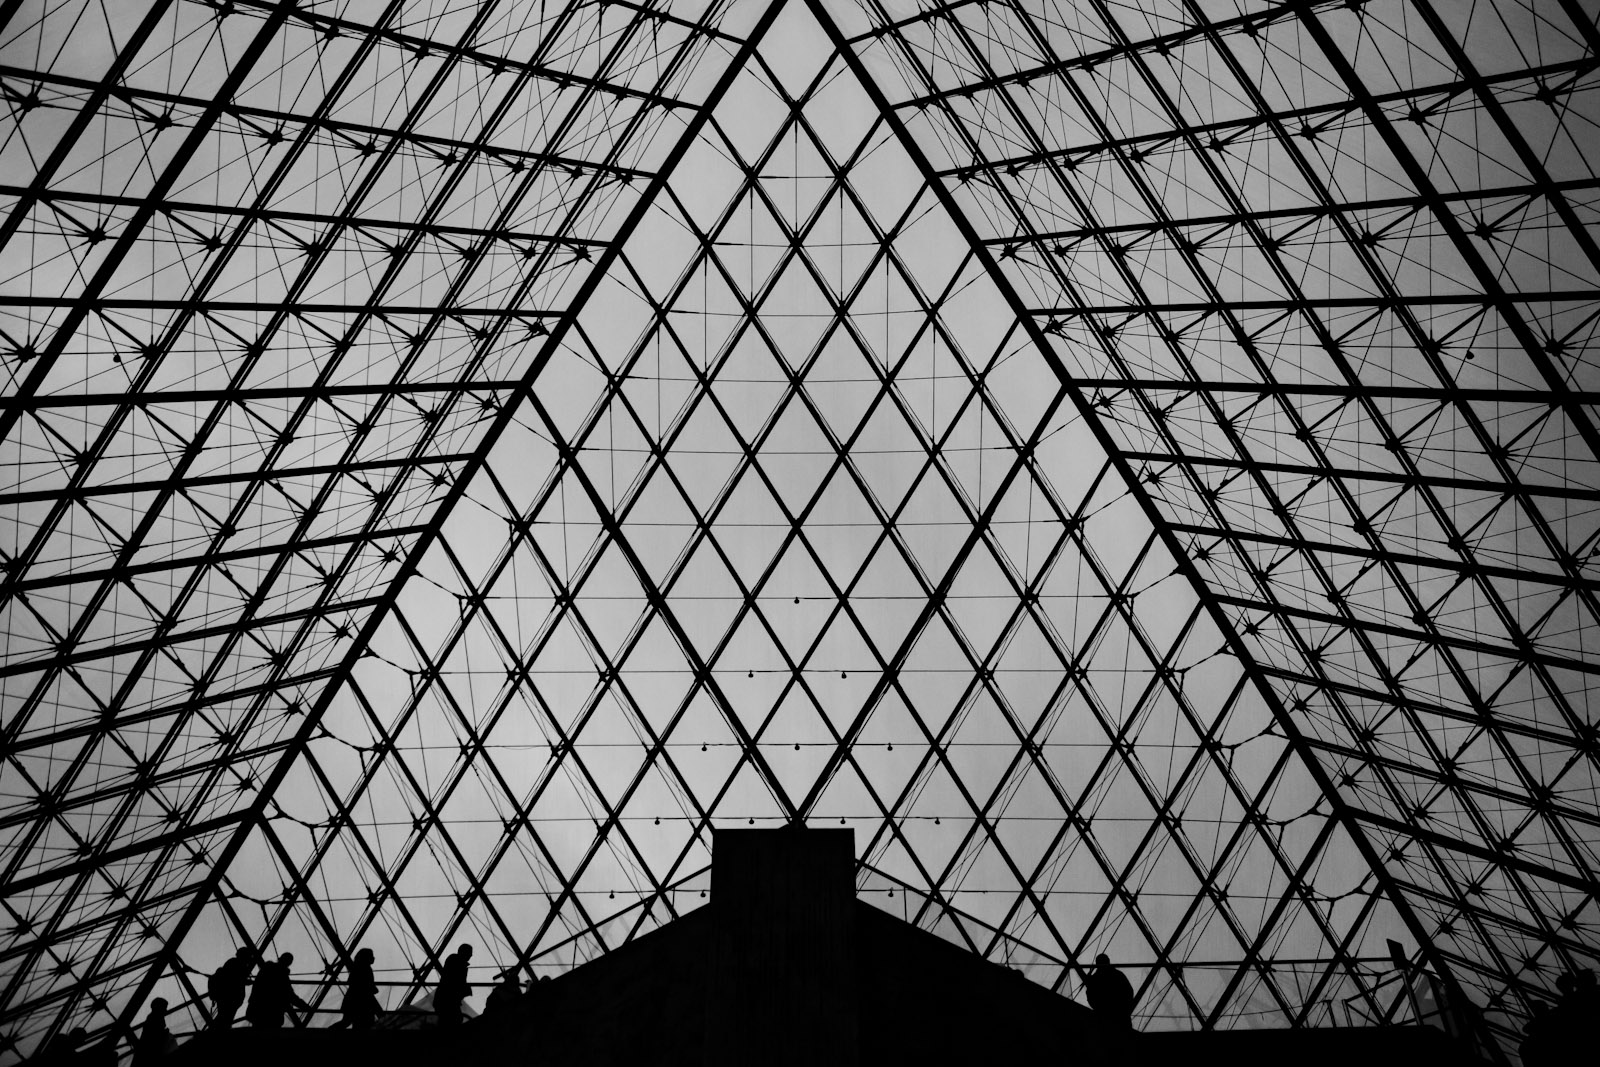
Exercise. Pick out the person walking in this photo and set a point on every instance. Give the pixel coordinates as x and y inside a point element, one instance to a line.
<point>453,988</point>
<point>273,995</point>
<point>227,985</point>
<point>154,1038</point>
<point>360,1008</point>
<point>63,1050</point>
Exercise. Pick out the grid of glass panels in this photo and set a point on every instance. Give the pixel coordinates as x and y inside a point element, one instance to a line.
<point>1325,273</point>
<point>1133,463</point>
<point>272,274</point>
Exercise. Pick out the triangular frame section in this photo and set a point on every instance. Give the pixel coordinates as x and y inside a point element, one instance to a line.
<point>790,507</point>
<point>933,908</point>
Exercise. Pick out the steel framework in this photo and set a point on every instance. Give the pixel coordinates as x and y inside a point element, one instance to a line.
<point>1137,463</point>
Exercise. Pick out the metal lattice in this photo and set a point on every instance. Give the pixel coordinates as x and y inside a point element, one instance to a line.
<point>1135,463</point>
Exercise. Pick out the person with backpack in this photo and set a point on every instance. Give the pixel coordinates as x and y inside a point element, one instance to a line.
<point>227,985</point>
<point>273,995</point>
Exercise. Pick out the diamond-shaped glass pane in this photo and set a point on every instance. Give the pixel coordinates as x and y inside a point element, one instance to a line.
<point>1134,464</point>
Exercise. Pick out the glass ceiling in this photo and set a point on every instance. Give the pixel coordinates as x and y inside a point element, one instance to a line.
<point>1135,463</point>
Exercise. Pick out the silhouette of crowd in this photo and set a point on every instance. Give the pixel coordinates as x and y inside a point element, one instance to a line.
<point>1560,1033</point>
<point>269,1001</point>
<point>272,998</point>
<point>73,1048</point>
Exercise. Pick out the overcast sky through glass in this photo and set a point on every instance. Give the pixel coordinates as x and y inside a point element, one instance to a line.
<point>1135,464</point>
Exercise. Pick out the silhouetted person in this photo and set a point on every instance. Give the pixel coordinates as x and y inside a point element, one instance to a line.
<point>1581,1015</point>
<point>1558,1035</point>
<point>1563,1035</point>
<point>360,1008</point>
<point>1110,993</point>
<point>227,986</point>
<point>453,988</point>
<point>1566,1022</point>
<point>154,1038</point>
<point>273,994</point>
<point>102,1053</point>
<point>64,1049</point>
<point>1586,994</point>
<point>1538,1040</point>
<point>502,999</point>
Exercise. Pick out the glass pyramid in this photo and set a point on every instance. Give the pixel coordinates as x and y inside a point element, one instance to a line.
<point>1135,463</point>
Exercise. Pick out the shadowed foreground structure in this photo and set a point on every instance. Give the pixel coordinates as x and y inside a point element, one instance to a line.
<point>786,968</point>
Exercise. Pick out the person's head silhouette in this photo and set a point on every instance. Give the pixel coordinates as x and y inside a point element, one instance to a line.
<point>158,1008</point>
<point>465,951</point>
<point>1103,960</point>
<point>364,956</point>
